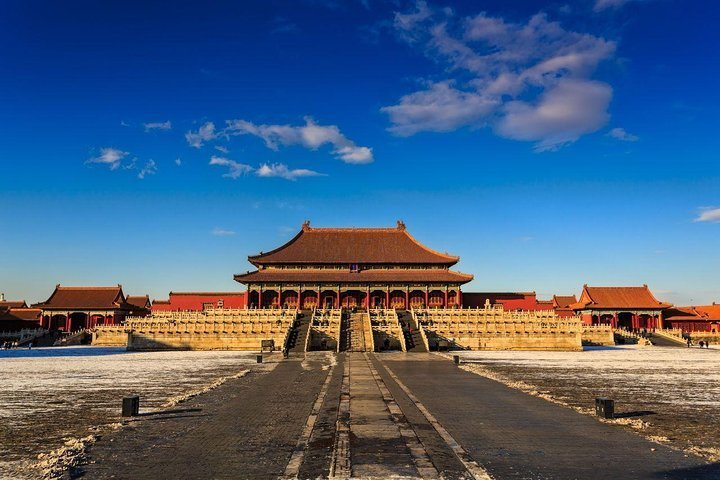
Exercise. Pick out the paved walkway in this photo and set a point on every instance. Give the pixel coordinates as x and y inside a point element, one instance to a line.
<point>247,428</point>
<point>514,435</point>
<point>379,416</point>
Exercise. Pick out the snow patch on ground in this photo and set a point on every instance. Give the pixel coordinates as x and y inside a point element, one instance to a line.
<point>673,393</point>
<point>55,401</point>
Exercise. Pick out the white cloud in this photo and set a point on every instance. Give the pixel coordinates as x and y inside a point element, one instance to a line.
<point>235,169</point>
<point>441,108</point>
<point>221,232</point>
<point>622,135</point>
<point>204,134</point>
<point>561,115</point>
<point>158,126</point>
<point>407,23</point>
<point>109,156</point>
<point>221,148</point>
<point>150,168</point>
<point>509,76</point>
<point>601,5</point>
<point>311,136</point>
<point>282,171</point>
<point>178,162</point>
<point>709,215</point>
<point>283,25</point>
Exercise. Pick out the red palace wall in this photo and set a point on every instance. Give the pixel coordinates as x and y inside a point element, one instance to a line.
<point>196,301</point>
<point>509,300</point>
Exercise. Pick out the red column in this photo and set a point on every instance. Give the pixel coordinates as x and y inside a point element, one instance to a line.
<point>407,297</point>
<point>387,298</point>
<point>426,296</point>
<point>446,299</point>
<point>459,296</point>
<point>367,298</point>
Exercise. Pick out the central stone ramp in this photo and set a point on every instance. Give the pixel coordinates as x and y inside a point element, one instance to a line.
<point>357,333</point>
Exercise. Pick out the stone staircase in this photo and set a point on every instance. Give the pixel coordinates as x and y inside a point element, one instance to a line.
<point>80,337</point>
<point>297,339</point>
<point>665,339</point>
<point>413,338</point>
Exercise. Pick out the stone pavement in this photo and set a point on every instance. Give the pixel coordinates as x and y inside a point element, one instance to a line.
<point>246,428</point>
<point>514,435</point>
<point>378,415</point>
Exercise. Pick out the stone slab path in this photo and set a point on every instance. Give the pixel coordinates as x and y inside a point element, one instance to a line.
<point>247,428</point>
<point>377,416</point>
<point>517,436</point>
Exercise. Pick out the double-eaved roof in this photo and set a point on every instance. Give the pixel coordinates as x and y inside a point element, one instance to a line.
<point>614,298</point>
<point>353,255</point>
<point>353,245</point>
<point>85,298</point>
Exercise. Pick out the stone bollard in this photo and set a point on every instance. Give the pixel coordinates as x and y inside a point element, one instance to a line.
<point>605,407</point>
<point>259,359</point>
<point>131,406</point>
<point>456,359</point>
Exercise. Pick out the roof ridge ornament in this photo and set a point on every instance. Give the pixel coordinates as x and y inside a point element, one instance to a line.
<point>401,225</point>
<point>306,225</point>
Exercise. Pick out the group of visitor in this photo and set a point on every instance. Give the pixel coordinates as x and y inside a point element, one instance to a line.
<point>700,343</point>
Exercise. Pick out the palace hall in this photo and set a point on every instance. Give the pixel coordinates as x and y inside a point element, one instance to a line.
<point>353,267</point>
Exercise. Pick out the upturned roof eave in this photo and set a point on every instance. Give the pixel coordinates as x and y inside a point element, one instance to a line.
<point>248,278</point>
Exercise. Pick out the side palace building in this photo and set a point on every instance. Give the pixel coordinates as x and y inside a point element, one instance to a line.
<point>353,267</point>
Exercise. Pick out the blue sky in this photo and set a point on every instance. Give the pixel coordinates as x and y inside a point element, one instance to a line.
<point>549,144</point>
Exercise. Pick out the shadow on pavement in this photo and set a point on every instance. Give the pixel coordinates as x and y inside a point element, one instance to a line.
<point>638,413</point>
<point>170,412</point>
<point>702,472</point>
